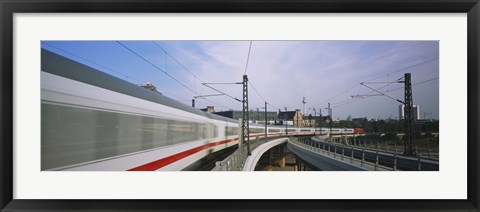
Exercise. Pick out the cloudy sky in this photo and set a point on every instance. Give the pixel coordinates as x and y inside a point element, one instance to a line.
<point>282,72</point>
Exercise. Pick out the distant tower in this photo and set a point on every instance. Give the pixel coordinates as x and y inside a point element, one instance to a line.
<point>304,102</point>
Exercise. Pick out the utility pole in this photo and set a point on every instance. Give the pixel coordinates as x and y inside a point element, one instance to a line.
<point>408,110</point>
<point>315,125</point>
<point>330,117</point>
<point>245,125</point>
<point>320,121</point>
<point>265,121</point>
<point>258,115</point>
<point>285,116</point>
<point>286,125</point>
<point>408,102</point>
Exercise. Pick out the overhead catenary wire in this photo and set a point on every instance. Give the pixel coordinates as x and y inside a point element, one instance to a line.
<point>127,76</point>
<point>94,63</point>
<point>396,71</point>
<point>417,83</point>
<point>194,75</point>
<point>259,95</point>
<point>176,61</point>
<point>377,90</point>
<point>158,68</point>
<point>248,57</point>
<point>405,68</point>
<point>338,104</point>
<point>337,95</point>
<point>205,84</point>
<point>357,99</point>
<point>383,93</point>
<point>246,67</point>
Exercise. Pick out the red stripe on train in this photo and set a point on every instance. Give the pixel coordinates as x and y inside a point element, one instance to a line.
<point>152,166</point>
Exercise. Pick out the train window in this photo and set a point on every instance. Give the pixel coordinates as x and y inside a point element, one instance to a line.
<point>215,131</point>
<point>77,135</point>
<point>273,130</point>
<point>231,131</point>
<point>305,130</point>
<point>256,130</point>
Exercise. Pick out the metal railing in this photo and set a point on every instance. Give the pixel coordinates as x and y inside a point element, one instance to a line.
<point>236,160</point>
<point>367,158</point>
<point>427,151</point>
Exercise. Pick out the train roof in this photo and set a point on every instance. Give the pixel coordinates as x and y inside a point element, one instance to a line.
<point>64,67</point>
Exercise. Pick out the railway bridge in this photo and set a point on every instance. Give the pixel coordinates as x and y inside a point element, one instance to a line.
<point>316,153</point>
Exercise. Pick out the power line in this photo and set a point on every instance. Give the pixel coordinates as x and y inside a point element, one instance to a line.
<point>205,84</point>
<point>402,69</point>
<point>85,59</point>
<point>223,83</point>
<point>261,97</point>
<point>248,57</point>
<point>338,104</point>
<point>421,82</point>
<point>137,80</point>
<point>176,61</point>
<point>194,75</point>
<point>382,93</point>
<point>273,106</point>
<point>158,68</point>
<point>346,91</point>
<point>354,100</point>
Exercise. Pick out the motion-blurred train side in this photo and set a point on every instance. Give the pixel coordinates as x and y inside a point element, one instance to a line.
<point>93,121</point>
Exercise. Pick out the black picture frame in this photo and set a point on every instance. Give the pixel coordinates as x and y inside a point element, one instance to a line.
<point>9,7</point>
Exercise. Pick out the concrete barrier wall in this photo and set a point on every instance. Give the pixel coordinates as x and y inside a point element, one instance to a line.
<point>320,161</point>
<point>253,159</point>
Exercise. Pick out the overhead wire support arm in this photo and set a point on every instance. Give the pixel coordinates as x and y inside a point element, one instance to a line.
<point>205,84</point>
<point>223,83</point>
<point>378,82</point>
<point>203,96</point>
<point>382,94</point>
<point>248,57</point>
<point>365,95</point>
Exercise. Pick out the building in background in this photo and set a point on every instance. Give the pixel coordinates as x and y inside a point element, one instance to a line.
<point>209,109</point>
<point>150,86</point>
<point>416,112</point>
<point>292,118</point>
<point>254,116</point>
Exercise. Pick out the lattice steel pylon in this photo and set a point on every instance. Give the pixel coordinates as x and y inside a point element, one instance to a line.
<point>408,104</point>
<point>408,110</point>
<point>245,125</point>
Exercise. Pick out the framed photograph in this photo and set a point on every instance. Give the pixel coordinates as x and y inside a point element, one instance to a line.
<point>226,106</point>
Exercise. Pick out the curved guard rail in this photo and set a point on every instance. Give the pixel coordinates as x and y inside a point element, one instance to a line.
<point>321,161</point>
<point>253,159</point>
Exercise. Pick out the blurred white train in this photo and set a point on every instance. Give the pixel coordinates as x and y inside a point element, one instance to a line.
<point>93,121</point>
